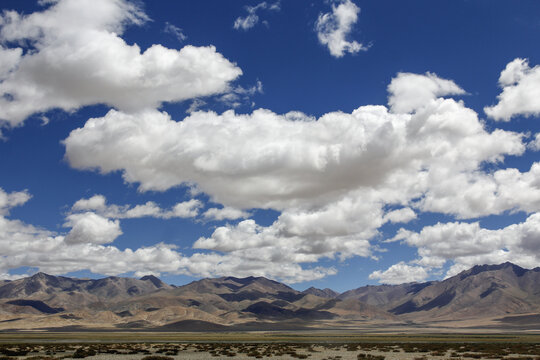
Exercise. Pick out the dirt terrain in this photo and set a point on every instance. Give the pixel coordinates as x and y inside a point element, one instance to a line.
<point>270,345</point>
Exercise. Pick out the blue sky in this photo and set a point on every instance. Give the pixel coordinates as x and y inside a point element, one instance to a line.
<point>327,143</point>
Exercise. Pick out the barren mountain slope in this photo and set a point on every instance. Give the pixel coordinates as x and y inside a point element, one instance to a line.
<point>45,301</point>
<point>70,294</point>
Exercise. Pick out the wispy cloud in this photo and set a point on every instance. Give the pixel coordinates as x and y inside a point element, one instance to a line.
<point>240,95</point>
<point>175,31</point>
<point>251,19</point>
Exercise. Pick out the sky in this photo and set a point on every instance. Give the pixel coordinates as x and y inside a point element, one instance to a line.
<point>332,143</point>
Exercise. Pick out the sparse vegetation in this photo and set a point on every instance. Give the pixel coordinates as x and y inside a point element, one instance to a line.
<point>484,347</point>
<point>157,357</point>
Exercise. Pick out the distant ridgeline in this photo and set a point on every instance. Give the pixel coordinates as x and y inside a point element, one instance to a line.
<point>505,296</point>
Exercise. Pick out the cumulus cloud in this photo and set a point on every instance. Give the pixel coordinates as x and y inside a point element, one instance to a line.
<point>289,239</point>
<point>403,215</point>
<point>185,209</point>
<point>468,244</point>
<point>90,228</point>
<point>251,19</point>
<point>476,194</point>
<point>410,92</point>
<point>250,264</point>
<point>520,91</point>
<point>331,178</point>
<point>10,200</point>
<point>266,160</point>
<point>334,28</point>
<point>86,247</point>
<point>26,245</point>
<point>535,143</point>
<point>71,54</point>
<point>400,273</point>
<point>98,204</point>
<point>225,213</point>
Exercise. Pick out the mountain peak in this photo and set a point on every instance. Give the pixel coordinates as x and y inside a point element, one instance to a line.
<point>154,280</point>
<point>477,269</point>
<point>42,275</point>
<point>324,293</point>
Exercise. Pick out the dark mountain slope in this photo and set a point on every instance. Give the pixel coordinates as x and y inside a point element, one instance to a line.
<point>324,293</point>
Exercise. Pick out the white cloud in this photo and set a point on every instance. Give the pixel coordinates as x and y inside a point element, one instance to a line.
<point>400,273</point>
<point>236,96</point>
<point>249,21</point>
<point>10,200</point>
<point>250,91</point>
<point>187,209</point>
<point>333,28</point>
<point>535,143</point>
<point>195,105</point>
<point>78,58</point>
<point>225,213</point>
<point>403,215</point>
<point>266,160</point>
<point>25,245</point>
<point>476,194</point>
<point>520,91</point>
<point>9,58</point>
<point>409,92</point>
<point>90,228</point>
<point>468,244</point>
<point>290,239</point>
<point>331,178</point>
<point>243,265</point>
<point>98,204</point>
<point>82,248</point>
<point>341,229</point>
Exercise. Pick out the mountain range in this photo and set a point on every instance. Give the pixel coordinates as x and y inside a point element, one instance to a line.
<point>489,296</point>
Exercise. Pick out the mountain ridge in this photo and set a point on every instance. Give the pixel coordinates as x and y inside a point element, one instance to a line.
<point>479,294</point>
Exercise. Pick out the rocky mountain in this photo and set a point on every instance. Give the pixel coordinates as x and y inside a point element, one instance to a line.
<point>488,290</point>
<point>324,293</point>
<point>256,303</point>
<point>482,291</point>
<point>384,296</point>
<point>72,294</point>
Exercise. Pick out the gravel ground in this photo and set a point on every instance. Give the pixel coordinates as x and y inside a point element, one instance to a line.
<point>270,350</point>
<point>274,351</point>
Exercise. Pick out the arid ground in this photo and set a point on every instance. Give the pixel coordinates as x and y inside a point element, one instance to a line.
<point>258,345</point>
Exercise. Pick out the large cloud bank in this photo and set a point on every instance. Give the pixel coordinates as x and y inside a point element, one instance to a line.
<point>336,179</point>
